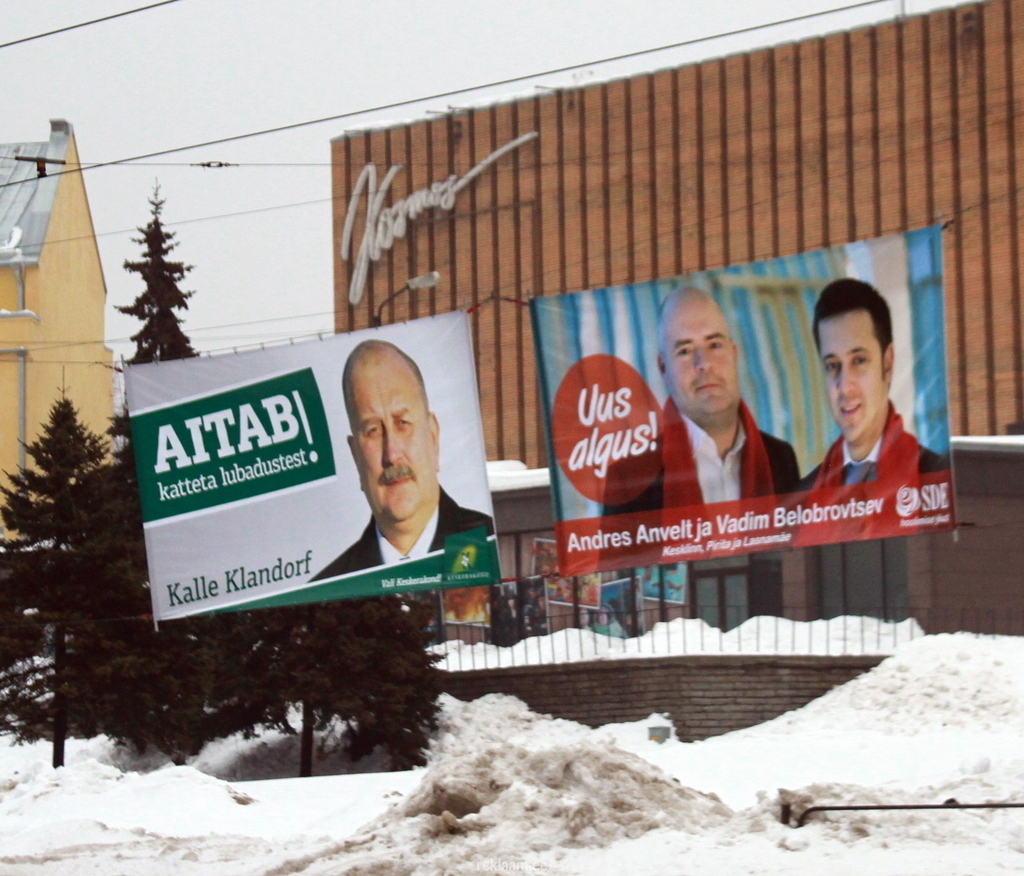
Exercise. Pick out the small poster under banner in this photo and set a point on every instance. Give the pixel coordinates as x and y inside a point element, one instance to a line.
<point>671,578</point>
<point>467,605</point>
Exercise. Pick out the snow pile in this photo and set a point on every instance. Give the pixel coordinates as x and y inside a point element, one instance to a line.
<point>104,792</point>
<point>505,783</point>
<point>956,680</point>
<point>91,810</point>
<point>757,635</point>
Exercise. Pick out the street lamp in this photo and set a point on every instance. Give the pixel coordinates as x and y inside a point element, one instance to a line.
<point>423,281</point>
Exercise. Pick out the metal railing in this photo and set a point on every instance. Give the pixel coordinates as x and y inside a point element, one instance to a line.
<point>643,633</point>
<point>786,810</point>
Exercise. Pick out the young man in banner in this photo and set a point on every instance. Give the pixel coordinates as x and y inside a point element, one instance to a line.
<point>395,446</point>
<point>712,450</point>
<point>853,331</point>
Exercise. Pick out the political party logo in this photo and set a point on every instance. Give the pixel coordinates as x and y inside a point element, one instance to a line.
<point>908,501</point>
<point>934,497</point>
<point>927,499</point>
<point>232,446</point>
<point>465,560</point>
<point>605,427</point>
<point>469,558</point>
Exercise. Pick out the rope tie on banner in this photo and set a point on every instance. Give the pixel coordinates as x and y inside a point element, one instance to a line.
<point>484,301</point>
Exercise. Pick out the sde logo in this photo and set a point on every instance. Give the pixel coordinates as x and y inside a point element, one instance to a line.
<point>908,501</point>
<point>930,497</point>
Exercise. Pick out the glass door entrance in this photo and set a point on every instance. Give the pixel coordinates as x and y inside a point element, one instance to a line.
<point>720,597</point>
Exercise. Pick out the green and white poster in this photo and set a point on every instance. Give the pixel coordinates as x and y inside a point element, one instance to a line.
<point>351,466</point>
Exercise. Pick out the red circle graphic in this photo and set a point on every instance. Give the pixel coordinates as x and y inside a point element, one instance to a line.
<point>606,429</point>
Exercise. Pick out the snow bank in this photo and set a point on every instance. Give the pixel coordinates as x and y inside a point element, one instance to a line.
<point>91,810</point>
<point>942,681</point>
<point>509,790</point>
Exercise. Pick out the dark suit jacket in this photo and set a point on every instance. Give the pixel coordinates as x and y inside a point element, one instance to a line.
<point>365,553</point>
<point>928,462</point>
<point>781,459</point>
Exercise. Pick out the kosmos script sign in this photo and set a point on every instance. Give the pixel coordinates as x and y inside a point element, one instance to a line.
<point>384,224</point>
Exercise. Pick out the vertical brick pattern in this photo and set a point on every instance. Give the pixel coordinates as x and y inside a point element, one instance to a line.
<point>780,150</point>
<point>703,696</point>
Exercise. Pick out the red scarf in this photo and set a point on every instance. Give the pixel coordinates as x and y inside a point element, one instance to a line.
<point>682,486</point>
<point>897,458</point>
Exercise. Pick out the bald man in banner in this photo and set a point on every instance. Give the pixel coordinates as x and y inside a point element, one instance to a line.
<point>395,444</point>
<point>712,449</point>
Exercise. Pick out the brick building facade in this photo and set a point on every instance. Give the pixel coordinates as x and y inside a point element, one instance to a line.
<point>810,144</point>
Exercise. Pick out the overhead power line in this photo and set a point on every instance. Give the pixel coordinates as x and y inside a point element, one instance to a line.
<point>213,164</point>
<point>447,94</point>
<point>39,36</point>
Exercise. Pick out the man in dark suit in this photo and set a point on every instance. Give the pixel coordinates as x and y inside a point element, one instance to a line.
<point>853,332</point>
<point>712,450</point>
<point>395,446</point>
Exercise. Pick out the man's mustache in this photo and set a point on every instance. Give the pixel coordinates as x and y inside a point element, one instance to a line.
<point>395,473</point>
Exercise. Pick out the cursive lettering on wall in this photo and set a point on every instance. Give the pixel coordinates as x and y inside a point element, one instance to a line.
<point>385,224</point>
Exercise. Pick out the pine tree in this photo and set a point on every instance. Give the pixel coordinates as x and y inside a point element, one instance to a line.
<point>161,337</point>
<point>362,662</point>
<point>359,662</point>
<point>65,578</point>
<point>165,676</point>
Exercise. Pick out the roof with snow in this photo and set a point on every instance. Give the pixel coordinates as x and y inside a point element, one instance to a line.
<point>26,199</point>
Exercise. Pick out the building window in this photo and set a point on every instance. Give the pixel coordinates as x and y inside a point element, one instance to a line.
<point>719,591</point>
<point>867,578</point>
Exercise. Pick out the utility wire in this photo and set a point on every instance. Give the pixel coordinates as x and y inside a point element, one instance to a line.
<point>446,94</point>
<point>206,165</point>
<point>830,116</point>
<point>39,36</point>
<point>551,273</point>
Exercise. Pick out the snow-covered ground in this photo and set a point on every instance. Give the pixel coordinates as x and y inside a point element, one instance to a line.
<point>508,791</point>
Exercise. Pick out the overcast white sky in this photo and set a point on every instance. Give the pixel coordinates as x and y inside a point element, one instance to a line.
<point>199,70</point>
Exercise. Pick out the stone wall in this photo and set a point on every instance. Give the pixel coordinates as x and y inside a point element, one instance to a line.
<point>704,696</point>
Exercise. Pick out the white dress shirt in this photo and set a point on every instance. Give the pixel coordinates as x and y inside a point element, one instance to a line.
<point>719,478</point>
<point>390,553</point>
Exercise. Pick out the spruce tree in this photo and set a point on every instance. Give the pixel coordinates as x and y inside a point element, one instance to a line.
<point>360,663</point>
<point>161,337</point>
<point>165,676</point>
<point>64,580</point>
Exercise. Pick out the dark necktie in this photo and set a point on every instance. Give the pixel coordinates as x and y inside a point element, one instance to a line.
<point>858,472</point>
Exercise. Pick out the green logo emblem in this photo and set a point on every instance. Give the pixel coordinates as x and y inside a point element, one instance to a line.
<point>469,558</point>
<point>465,560</point>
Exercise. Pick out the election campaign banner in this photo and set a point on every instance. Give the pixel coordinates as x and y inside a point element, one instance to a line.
<point>350,466</point>
<point>784,403</point>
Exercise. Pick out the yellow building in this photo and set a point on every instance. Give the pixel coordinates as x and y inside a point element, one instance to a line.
<point>52,294</point>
